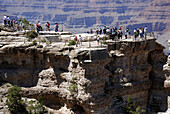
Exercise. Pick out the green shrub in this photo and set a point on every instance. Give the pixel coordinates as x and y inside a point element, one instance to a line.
<point>43,40</point>
<point>73,88</point>
<point>48,43</point>
<point>130,109</point>
<point>31,34</point>
<point>34,42</point>
<point>72,42</point>
<point>25,21</point>
<point>104,39</point>
<point>14,101</point>
<point>74,78</point>
<point>36,107</point>
<point>129,106</point>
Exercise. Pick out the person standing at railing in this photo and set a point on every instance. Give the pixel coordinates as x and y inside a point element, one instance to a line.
<point>80,40</point>
<point>126,33</point>
<point>120,33</point>
<point>100,31</point>
<point>56,27</point>
<point>20,25</point>
<point>145,31</point>
<point>141,33</point>
<point>98,39</point>
<point>135,34</point>
<point>8,21</point>
<point>37,27</point>
<point>104,29</point>
<point>47,26</point>
<point>5,19</point>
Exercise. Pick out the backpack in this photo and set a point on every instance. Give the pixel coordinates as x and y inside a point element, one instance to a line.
<point>75,38</point>
<point>48,24</point>
<point>37,25</point>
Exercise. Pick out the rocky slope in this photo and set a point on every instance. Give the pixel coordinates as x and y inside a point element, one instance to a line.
<point>89,80</point>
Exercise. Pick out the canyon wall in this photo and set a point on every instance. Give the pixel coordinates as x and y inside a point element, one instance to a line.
<point>90,80</point>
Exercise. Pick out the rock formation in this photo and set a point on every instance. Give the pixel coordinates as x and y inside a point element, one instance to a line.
<point>89,79</point>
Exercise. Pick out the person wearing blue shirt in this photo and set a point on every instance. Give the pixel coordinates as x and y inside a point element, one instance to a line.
<point>56,27</point>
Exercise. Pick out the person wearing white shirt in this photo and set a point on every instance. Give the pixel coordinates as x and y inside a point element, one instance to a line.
<point>80,40</point>
<point>5,19</point>
<point>145,31</point>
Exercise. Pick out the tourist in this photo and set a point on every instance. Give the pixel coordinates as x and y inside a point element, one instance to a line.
<point>135,33</point>
<point>76,40</point>
<point>98,40</point>
<point>141,32</point>
<point>80,40</point>
<point>145,31</point>
<point>16,21</point>
<point>126,33</point>
<point>107,31</point>
<point>47,26</point>
<point>104,29</point>
<point>116,35</point>
<point>110,31</point>
<point>40,27</point>
<point>8,21</point>
<point>37,27</point>
<point>20,24</point>
<point>56,27</point>
<point>113,34</point>
<point>91,31</point>
<point>18,27</point>
<point>23,27</point>
<point>120,33</point>
<point>5,19</point>
<point>100,31</point>
<point>11,23</point>
<point>97,31</point>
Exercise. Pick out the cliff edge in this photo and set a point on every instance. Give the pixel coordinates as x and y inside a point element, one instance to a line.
<point>89,79</point>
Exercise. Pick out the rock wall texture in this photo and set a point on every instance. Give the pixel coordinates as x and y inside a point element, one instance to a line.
<point>90,80</point>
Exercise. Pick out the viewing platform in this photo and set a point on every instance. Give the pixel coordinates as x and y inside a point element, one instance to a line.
<point>54,39</point>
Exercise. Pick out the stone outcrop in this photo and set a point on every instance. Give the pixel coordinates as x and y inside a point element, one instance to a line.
<point>89,80</point>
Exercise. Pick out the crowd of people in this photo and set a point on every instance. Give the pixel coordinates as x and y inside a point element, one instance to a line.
<point>47,26</point>
<point>113,32</point>
<point>19,25</point>
<point>118,33</point>
<point>13,23</point>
